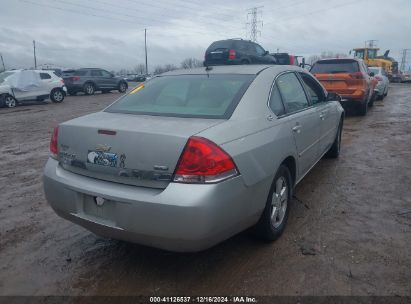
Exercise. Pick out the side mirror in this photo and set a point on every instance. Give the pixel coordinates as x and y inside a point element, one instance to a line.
<point>331,96</point>
<point>266,53</point>
<point>371,74</point>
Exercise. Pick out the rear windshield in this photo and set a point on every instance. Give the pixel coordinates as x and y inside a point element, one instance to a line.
<point>201,96</point>
<point>224,44</point>
<point>335,66</point>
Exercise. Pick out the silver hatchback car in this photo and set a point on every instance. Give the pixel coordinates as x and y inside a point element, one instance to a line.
<point>190,158</point>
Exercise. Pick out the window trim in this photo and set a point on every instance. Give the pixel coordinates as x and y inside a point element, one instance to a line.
<point>325,101</point>
<point>310,106</point>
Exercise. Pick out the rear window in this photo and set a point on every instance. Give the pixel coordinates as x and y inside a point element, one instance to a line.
<point>201,96</point>
<point>335,66</point>
<point>224,44</point>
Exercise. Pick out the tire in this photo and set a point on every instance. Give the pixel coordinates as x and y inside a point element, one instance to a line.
<point>363,107</point>
<point>57,95</point>
<point>334,151</point>
<point>122,87</point>
<point>275,215</point>
<point>89,88</point>
<point>373,98</point>
<point>8,101</point>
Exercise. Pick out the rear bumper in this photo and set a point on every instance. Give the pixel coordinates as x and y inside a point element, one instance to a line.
<point>179,218</point>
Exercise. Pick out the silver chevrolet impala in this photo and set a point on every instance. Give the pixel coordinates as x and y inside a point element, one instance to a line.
<point>190,158</point>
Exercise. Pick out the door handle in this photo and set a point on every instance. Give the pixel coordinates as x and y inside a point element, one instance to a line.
<point>323,114</point>
<point>297,129</point>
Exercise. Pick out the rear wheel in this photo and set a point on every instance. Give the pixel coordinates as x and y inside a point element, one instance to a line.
<point>89,89</point>
<point>274,218</point>
<point>373,98</point>
<point>363,107</point>
<point>8,101</point>
<point>57,95</point>
<point>334,151</point>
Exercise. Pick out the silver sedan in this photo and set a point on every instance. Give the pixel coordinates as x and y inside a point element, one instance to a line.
<point>190,158</point>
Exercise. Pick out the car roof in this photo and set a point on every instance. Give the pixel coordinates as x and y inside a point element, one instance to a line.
<point>250,69</point>
<point>341,59</point>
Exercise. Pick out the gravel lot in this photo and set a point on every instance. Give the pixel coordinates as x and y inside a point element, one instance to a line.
<point>348,233</point>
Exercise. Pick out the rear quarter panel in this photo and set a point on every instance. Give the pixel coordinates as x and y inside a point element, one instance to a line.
<point>254,137</point>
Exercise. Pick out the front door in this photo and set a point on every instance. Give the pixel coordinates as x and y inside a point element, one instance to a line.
<point>326,112</point>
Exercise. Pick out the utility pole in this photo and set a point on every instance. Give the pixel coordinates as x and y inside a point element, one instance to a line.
<point>34,51</point>
<point>254,12</point>
<point>404,59</point>
<point>145,47</point>
<point>2,61</point>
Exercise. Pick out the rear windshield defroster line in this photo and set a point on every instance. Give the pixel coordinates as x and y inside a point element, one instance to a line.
<point>187,96</point>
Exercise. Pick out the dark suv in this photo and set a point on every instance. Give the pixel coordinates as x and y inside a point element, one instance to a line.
<point>236,51</point>
<point>91,80</point>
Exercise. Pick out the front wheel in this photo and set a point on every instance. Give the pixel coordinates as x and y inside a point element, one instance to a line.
<point>122,87</point>
<point>274,218</point>
<point>363,108</point>
<point>8,101</point>
<point>57,95</point>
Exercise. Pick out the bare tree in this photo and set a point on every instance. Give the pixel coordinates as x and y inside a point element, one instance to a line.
<point>191,63</point>
<point>140,69</point>
<point>162,69</point>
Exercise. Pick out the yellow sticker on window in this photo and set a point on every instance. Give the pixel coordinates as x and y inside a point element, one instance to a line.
<point>137,89</point>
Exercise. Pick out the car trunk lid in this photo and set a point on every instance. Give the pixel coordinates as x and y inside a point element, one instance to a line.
<point>138,150</point>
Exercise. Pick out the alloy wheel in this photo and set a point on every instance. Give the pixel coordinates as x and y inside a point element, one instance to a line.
<point>279,202</point>
<point>10,102</point>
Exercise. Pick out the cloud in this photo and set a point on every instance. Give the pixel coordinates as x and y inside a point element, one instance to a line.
<point>110,34</point>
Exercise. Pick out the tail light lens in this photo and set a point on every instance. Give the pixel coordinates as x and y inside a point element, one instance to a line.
<point>379,78</point>
<point>357,75</point>
<point>62,81</point>
<point>291,59</point>
<point>75,78</point>
<point>231,54</point>
<point>202,161</point>
<point>53,143</point>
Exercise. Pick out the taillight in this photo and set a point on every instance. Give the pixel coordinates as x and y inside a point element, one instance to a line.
<point>357,75</point>
<point>53,143</point>
<point>62,81</point>
<point>202,161</point>
<point>231,54</point>
<point>291,59</point>
<point>75,78</point>
<point>379,78</point>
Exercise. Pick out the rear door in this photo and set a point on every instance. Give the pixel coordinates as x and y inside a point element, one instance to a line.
<point>304,120</point>
<point>97,77</point>
<point>46,83</point>
<point>326,112</point>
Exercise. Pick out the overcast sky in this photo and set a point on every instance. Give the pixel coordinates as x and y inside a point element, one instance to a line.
<point>110,34</point>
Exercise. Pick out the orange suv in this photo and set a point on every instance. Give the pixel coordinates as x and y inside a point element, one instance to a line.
<point>348,77</point>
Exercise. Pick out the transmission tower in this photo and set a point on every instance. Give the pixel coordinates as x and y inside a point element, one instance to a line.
<point>254,12</point>
<point>371,43</point>
<point>404,59</point>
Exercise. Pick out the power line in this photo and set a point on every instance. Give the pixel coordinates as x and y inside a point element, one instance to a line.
<point>404,59</point>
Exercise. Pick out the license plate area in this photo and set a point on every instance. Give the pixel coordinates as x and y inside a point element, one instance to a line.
<point>105,210</point>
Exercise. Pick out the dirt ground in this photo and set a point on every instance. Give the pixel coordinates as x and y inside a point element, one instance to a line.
<point>349,231</point>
